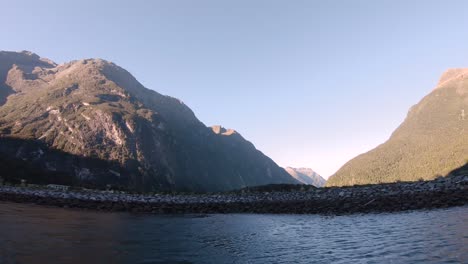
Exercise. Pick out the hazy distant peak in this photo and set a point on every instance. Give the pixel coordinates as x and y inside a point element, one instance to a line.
<point>303,170</point>
<point>306,176</point>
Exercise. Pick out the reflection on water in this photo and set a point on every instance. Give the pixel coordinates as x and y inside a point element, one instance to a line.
<point>33,234</point>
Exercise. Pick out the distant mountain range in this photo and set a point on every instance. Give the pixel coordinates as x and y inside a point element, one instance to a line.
<point>431,142</point>
<point>90,122</point>
<point>306,176</point>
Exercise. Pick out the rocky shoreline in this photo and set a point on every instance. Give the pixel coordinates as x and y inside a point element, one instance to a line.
<point>439,193</point>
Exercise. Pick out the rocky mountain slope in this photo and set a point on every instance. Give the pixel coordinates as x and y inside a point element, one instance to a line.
<point>432,141</point>
<point>306,176</point>
<point>93,123</point>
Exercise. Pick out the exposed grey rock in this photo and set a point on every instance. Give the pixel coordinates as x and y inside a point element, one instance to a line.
<point>94,121</point>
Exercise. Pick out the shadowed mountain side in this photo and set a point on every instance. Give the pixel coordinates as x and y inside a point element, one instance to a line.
<point>94,108</point>
<point>33,161</point>
<point>463,170</point>
<point>5,91</point>
<point>432,141</point>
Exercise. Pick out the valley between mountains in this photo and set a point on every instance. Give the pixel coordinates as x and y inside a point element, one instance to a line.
<point>90,123</point>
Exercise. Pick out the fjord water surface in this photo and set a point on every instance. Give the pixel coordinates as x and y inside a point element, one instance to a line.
<point>34,234</point>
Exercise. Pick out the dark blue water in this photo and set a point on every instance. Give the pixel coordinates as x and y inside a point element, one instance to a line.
<point>33,234</point>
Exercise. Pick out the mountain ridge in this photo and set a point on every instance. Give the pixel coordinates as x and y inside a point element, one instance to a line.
<point>306,176</point>
<point>431,141</point>
<point>94,108</point>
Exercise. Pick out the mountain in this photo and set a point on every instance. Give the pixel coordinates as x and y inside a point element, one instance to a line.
<point>92,121</point>
<point>306,176</point>
<point>432,140</point>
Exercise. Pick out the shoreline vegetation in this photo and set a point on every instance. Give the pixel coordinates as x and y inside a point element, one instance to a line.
<point>276,199</point>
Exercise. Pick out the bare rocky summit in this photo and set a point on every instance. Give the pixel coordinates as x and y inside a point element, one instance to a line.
<point>306,176</point>
<point>431,142</point>
<point>90,122</point>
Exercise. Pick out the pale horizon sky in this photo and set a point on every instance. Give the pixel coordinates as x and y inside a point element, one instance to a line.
<point>310,83</point>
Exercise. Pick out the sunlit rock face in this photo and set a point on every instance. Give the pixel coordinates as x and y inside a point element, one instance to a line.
<point>431,142</point>
<point>92,110</point>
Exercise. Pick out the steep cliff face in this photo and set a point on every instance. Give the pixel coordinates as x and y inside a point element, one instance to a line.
<point>94,110</point>
<point>432,141</point>
<point>306,176</point>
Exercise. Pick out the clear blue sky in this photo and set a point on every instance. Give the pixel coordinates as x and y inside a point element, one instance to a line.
<point>310,83</point>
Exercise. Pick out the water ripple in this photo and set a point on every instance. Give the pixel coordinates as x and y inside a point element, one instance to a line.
<point>32,234</point>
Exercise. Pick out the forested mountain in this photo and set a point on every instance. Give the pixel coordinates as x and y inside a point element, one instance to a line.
<point>432,141</point>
